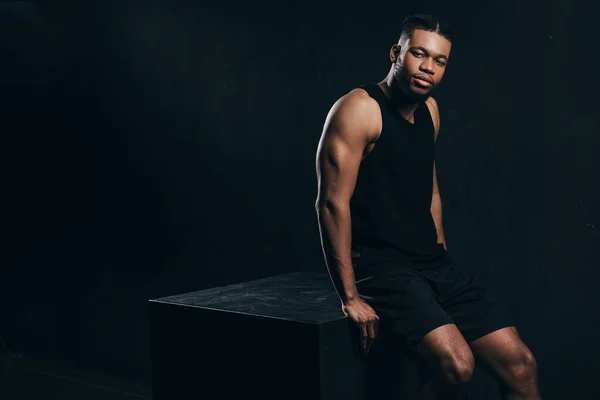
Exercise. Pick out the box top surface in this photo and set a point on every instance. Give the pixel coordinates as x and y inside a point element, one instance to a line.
<point>300,296</point>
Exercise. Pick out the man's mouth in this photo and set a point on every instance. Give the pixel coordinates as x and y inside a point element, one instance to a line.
<point>423,81</point>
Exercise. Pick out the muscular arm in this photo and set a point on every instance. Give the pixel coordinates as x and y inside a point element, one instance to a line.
<point>352,123</point>
<point>436,199</point>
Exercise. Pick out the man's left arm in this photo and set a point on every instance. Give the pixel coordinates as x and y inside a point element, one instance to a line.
<point>436,199</point>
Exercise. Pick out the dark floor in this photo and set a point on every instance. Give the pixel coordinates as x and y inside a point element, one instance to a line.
<point>26,379</point>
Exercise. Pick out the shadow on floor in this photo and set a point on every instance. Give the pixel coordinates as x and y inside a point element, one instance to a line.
<point>26,379</point>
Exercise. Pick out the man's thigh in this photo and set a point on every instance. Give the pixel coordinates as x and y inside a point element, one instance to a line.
<point>406,304</point>
<point>470,304</point>
<point>444,345</point>
<point>500,350</point>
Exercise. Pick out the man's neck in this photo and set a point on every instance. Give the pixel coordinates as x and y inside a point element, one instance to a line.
<point>405,105</point>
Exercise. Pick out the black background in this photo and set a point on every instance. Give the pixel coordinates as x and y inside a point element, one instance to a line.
<point>152,148</point>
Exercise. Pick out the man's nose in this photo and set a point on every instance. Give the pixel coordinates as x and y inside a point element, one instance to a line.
<point>427,65</point>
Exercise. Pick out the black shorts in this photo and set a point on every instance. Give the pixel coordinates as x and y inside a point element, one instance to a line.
<point>412,302</point>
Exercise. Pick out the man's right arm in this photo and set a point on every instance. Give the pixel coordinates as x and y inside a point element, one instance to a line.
<point>352,123</point>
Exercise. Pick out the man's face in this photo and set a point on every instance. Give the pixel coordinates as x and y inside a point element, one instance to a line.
<point>420,63</point>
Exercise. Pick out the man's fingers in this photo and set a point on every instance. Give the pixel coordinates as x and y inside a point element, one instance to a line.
<point>371,330</point>
<point>363,334</point>
<point>370,336</point>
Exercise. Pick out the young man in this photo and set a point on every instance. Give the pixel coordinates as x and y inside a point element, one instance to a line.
<point>380,217</point>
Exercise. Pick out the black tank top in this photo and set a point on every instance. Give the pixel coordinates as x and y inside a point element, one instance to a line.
<point>390,206</point>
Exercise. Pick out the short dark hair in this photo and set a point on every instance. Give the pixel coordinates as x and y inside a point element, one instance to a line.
<point>426,22</point>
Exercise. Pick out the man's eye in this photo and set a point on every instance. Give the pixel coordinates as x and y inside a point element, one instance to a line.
<point>416,54</point>
<point>441,63</point>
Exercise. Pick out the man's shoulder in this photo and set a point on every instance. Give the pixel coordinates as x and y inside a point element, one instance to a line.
<point>357,102</point>
<point>356,112</point>
<point>432,104</point>
<point>359,97</point>
<point>434,110</point>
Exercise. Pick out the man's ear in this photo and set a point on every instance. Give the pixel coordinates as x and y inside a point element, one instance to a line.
<point>395,53</point>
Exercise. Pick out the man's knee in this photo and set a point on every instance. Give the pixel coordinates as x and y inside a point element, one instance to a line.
<point>523,367</point>
<point>448,353</point>
<point>457,366</point>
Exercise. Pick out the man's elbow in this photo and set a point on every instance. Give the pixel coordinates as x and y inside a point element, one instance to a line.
<point>436,202</point>
<point>331,206</point>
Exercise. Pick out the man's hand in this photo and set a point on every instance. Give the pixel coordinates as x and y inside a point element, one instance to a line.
<point>366,319</point>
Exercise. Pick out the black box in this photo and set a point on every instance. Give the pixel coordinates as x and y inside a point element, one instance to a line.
<point>283,337</point>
